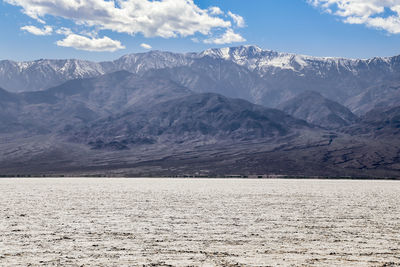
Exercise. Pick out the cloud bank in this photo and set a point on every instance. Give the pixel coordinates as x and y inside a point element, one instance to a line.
<point>228,37</point>
<point>47,30</point>
<point>379,14</point>
<point>162,18</point>
<point>239,20</point>
<point>90,44</point>
<point>146,46</point>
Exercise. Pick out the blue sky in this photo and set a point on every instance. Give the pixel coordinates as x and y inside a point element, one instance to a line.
<point>94,30</point>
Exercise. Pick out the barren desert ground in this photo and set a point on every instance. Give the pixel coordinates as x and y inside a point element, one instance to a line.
<point>195,222</point>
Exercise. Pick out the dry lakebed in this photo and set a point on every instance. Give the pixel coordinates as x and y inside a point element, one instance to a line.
<point>198,222</point>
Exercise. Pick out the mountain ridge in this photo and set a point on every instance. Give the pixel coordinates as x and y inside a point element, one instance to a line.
<point>266,77</point>
<point>77,68</point>
<point>316,109</point>
<point>128,124</point>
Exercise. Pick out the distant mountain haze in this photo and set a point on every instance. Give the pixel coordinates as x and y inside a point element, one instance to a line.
<point>316,109</point>
<point>239,110</point>
<point>205,117</point>
<point>260,76</point>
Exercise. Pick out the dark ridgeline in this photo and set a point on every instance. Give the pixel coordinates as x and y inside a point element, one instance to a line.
<point>316,109</point>
<point>227,111</point>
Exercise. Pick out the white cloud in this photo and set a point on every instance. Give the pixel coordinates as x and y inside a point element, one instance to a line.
<point>47,30</point>
<point>90,44</point>
<point>146,46</point>
<point>164,18</point>
<point>64,31</point>
<point>372,13</point>
<point>214,10</point>
<point>239,20</point>
<point>151,18</point>
<point>228,37</point>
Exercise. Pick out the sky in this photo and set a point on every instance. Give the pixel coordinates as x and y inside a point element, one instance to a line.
<point>102,30</point>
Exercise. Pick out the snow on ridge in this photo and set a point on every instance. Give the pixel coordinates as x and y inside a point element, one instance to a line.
<point>250,56</point>
<point>254,57</point>
<point>70,67</point>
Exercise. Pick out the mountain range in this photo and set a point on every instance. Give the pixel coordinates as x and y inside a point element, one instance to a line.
<point>260,76</point>
<point>230,111</point>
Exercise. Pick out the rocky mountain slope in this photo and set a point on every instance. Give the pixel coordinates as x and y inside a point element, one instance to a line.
<point>379,123</point>
<point>146,106</point>
<point>383,95</point>
<point>316,109</point>
<point>83,100</point>
<point>260,76</point>
<point>42,74</point>
<point>338,79</point>
<point>210,113</point>
<point>215,75</point>
<point>197,118</point>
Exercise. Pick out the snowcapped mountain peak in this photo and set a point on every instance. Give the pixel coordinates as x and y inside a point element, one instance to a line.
<point>253,57</point>
<point>269,61</point>
<point>137,63</point>
<point>229,53</point>
<point>45,73</point>
<point>246,55</point>
<point>262,60</point>
<point>216,53</point>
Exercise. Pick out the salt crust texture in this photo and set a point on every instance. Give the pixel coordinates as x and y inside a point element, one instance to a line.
<point>211,222</point>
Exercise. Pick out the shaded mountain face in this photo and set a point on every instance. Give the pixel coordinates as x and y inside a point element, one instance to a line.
<point>139,125</point>
<point>162,113</point>
<point>316,109</point>
<point>382,123</point>
<point>113,92</point>
<point>205,118</point>
<point>338,79</point>
<point>217,76</point>
<point>261,76</point>
<point>42,74</point>
<point>9,106</point>
<point>142,62</point>
<point>381,96</point>
<point>134,107</point>
<point>83,100</point>
<point>6,97</point>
